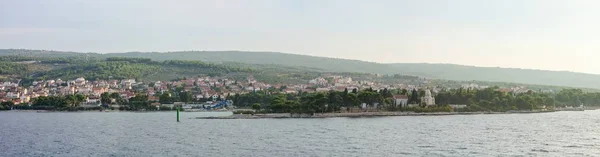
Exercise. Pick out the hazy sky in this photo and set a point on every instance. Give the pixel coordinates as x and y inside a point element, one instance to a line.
<point>538,34</point>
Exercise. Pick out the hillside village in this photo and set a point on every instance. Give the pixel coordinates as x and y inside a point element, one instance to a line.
<point>204,90</point>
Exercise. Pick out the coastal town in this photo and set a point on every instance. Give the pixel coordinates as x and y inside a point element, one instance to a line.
<point>208,91</point>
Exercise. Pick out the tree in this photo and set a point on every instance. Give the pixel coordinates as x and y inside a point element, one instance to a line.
<point>320,100</point>
<point>368,97</point>
<point>186,97</point>
<point>71,100</point>
<point>335,100</point>
<point>179,89</point>
<point>355,91</point>
<point>404,92</point>
<point>55,102</point>
<point>7,105</point>
<point>117,97</point>
<point>422,92</point>
<point>386,93</point>
<point>256,107</point>
<point>105,98</point>
<point>79,98</point>
<point>414,97</point>
<point>140,101</point>
<point>279,104</point>
<point>524,102</point>
<point>165,98</point>
<point>351,100</point>
<point>75,100</point>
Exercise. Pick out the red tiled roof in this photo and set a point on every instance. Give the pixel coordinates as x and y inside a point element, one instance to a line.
<point>400,97</point>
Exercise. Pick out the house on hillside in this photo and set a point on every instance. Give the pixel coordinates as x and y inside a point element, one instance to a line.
<point>79,81</point>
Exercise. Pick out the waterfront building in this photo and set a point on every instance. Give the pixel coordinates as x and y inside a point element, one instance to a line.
<point>428,99</point>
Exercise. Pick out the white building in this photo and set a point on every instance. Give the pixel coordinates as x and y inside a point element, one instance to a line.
<point>400,100</point>
<point>428,99</point>
<point>79,81</point>
<point>318,81</point>
<point>470,86</point>
<point>346,80</point>
<point>13,95</point>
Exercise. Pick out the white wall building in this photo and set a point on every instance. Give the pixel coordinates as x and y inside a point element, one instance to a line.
<point>428,99</point>
<point>400,100</point>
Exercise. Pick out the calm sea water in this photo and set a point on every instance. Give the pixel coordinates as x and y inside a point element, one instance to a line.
<point>157,134</point>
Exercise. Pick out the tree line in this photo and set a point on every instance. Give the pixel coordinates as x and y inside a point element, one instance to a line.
<point>489,99</point>
<point>62,103</point>
<point>302,102</point>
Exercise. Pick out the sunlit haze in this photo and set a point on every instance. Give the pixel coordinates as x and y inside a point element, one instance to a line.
<point>532,34</point>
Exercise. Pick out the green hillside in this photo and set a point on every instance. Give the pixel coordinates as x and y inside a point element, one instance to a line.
<point>494,74</point>
<point>436,71</point>
<point>312,63</point>
<point>329,64</point>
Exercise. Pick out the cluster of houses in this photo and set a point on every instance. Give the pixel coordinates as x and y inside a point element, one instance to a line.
<point>202,88</point>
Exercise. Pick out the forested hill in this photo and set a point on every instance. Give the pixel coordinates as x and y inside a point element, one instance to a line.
<point>436,71</point>
<point>495,74</point>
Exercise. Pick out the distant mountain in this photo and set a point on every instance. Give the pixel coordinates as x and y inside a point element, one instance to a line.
<point>329,64</point>
<point>435,71</point>
<point>495,74</point>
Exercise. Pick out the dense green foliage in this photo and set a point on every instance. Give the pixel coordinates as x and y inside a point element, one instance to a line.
<point>68,102</point>
<point>331,101</point>
<point>6,105</point>
<point>491,99</point>
<point>73,103</point>
<point>13,68</point>
<point>104,70</point>
<point>140,102</point>
<point>575,97</point>
<point>109,68</point>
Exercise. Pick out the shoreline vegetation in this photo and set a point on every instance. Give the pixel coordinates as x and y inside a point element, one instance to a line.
<point>361,114</point>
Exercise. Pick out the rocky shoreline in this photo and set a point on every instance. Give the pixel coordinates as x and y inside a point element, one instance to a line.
<point>358,114</point>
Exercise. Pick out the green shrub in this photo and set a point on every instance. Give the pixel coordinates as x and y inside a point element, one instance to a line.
<point>165,108</point>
